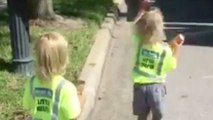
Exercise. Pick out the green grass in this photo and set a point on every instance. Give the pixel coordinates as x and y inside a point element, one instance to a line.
<point>80,42</point>
<point>88,9</point>
<point>11,93</point>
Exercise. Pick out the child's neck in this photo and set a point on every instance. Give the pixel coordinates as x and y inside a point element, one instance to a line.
<point>148,42</point>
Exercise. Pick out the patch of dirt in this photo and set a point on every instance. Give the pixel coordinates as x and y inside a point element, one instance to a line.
<point>67,23</point>
<point>13,84</point>
<point>21,116</point>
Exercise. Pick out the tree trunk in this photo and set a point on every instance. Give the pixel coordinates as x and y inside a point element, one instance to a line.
<point>41,9</point>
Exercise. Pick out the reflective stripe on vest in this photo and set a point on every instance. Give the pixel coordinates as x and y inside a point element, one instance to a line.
<point>54,115</point>
<point>159,66</point>
<point>56,100</point>
<point>31,87</point>
<point>145,74</point>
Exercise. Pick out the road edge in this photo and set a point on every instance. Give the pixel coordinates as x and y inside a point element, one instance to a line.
<point>92,71</point>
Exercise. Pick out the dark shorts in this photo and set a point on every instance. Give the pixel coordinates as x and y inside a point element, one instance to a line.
<point>149,98</point>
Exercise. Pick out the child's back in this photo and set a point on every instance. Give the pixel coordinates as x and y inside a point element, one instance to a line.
<point>48,95</point>
<point>153,60</point>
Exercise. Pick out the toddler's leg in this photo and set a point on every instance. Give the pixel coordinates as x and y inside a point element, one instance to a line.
<point>145,116</point>
<point>140,104</point>
<point>156,100</point>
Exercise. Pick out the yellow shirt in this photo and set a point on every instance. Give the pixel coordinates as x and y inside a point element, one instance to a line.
<point>41,106</point>
<point>152,63</point>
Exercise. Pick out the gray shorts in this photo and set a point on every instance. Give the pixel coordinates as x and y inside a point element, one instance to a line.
<point>149,98</point>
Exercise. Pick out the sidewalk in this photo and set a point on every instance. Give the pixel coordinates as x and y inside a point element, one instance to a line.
<point>115,95</point>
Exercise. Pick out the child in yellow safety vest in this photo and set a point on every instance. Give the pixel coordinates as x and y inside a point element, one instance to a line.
<point>48,96</point>
<point>153,60</point>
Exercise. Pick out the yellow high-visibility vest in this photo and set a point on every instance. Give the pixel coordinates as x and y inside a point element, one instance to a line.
<point>152,63</point>
<point>54,100</point>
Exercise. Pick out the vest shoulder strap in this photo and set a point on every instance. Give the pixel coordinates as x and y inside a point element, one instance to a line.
<point>57,100</point>
<point>31,87</point>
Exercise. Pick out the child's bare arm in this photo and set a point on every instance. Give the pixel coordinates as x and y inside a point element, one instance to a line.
<point>175,52</point>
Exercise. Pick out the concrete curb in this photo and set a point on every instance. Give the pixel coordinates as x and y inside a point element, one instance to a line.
<point>93,68</point>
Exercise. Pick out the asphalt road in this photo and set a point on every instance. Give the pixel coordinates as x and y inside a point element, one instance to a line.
<point>189,87</point>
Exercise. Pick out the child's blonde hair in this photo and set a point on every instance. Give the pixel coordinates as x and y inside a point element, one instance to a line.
<point>51,54</point>
<point>151,26</point>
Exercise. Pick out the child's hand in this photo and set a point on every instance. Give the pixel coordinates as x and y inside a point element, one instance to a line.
<point>145,4</point>
<point>177,41</point>
<point>180,39</point>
